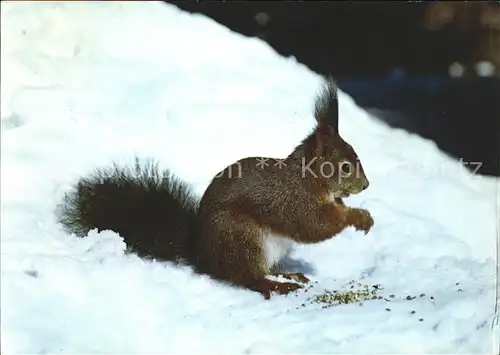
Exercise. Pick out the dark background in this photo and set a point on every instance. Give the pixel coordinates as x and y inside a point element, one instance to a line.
<point>395,59</point>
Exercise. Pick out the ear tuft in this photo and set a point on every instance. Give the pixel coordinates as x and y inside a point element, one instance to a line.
<point>326,105</point>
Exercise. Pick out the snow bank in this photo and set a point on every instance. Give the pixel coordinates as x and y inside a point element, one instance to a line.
<point>85,83</point>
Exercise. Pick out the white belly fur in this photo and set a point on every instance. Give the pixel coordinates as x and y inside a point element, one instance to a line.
<point>276,247</point>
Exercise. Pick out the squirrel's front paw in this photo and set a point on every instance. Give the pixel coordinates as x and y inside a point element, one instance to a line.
<point>362,220</point>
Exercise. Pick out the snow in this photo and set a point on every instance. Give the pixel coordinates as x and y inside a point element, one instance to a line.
<point>87,83</point>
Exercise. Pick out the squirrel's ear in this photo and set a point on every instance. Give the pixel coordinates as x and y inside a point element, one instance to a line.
<point>319,144</point>
<point>324,133</point>
<point>334,123</point>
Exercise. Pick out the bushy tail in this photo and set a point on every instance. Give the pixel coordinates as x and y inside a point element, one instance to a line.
<point>154,212</point>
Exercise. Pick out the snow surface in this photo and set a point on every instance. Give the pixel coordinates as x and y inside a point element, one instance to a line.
<point>86,83</point>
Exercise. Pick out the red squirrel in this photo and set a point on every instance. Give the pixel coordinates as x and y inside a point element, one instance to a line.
<point>248,206</point>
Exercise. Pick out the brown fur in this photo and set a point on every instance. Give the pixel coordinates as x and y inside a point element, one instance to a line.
<point>247,201</point>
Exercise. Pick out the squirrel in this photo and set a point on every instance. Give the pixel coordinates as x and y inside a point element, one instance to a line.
<point>250,215</point>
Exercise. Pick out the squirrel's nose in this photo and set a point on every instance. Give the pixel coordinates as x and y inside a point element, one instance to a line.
<point>366,184</point>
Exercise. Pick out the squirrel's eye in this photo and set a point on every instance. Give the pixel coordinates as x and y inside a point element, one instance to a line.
<point>345,167</point>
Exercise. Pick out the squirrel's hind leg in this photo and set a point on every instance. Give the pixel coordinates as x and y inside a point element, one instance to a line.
<point>236,242</point>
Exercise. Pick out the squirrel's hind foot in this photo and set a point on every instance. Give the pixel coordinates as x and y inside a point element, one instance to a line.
<point>267,287</point>
<point>295,276</point>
